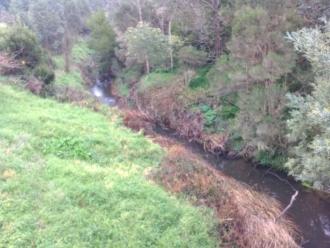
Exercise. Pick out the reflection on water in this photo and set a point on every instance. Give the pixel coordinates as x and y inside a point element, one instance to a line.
<point>310,212</point>
<point>325,221</point>
<point>97,91</point>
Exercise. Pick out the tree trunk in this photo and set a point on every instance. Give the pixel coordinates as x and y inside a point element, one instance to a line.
<point>216,5</point>
<point>147,64</point>
<point>170,41</point>
<point>67,51</point>
<point>139,10</point>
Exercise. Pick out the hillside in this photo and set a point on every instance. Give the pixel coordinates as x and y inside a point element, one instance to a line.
<point>72,178</point>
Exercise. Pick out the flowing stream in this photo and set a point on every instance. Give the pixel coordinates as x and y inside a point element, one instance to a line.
<point>310,211</point>
<point>101,91</point>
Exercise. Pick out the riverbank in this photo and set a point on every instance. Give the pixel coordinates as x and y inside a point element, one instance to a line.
<point>309,211</point>
<point>72,177</point>
<point>250,218</point>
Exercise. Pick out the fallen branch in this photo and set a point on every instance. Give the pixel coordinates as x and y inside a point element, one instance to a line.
<point>293,198</point>
<point>280,178</point>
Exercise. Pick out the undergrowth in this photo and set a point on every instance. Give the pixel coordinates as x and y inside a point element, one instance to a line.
<point>156,79</point>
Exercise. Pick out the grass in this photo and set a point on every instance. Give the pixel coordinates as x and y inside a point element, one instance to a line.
<point>123,89</point>
<point>73,79</point>
<point>156,79</point>
<point>81,51</point>
<point>73,178</point>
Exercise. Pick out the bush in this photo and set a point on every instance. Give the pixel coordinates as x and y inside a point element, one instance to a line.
<point>270,158</point>
<point>191,57</point>
<point>44,73</point>
<point>228,112</point>
<point>23,44</point>
<point>199,82</point>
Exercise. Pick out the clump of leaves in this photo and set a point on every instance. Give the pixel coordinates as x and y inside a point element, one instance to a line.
<point>22,43</point>
<point>67,148</point>
<point>44,73</point>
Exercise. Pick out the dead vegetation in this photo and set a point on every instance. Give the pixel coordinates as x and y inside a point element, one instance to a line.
<point>166,107</point>
<point>248,218</point>
<point>8,64</point>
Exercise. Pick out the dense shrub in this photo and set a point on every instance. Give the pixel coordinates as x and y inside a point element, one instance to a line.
<point>44,73</point>
<point>22,43</point>
<point>260,119</point>
<point>199,82</point>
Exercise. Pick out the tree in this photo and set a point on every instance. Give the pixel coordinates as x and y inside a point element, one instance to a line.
<point>191,58</point>
<point>147,45</point>
<point>259,120</point>
<point>309,125</point>
<point>56,23</point>
<point>102,41</point>
<point>45,17</point>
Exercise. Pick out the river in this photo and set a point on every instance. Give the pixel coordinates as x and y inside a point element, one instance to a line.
<point>310,212</point>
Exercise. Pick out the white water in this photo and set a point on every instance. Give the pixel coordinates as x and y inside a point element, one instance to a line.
<point>99,91</point>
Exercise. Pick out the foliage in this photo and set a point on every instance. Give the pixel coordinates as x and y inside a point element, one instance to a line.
<point>258,51</point>
<point>44,73</point>
<point>271,158</point>
<point>156,79</point>
<point>102,41</point>
<point>191,57</point>
<point>130,75</point>
<point>199,82</point>
<point>46,19</point>
<point>22,43</point>
<point>68,148</point>
<point>228,111</point>
<point>309,123</point>
<point>72,79</point>
<point>81,51</point>
<point>259,120</point>
<point>148,46</point>
<point>123,89</point>
<point>88,187</point>
<point>209,115</point>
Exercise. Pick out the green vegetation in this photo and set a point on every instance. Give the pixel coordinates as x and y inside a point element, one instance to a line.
<point>309,122</point>
<point>22,43</point>
<point>102,41</point>
<point>81,51</point>
<point>156,79</point>
<point>72,178</point>
<point>148,46</point>
<point>72,79</point>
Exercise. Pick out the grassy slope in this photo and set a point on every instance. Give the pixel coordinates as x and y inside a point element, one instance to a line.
<point>71,178</point>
